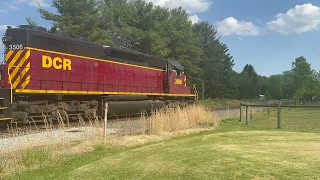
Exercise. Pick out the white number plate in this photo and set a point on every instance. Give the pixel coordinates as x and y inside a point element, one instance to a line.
<point>15,47</point>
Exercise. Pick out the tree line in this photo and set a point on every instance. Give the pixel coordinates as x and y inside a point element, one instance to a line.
<point>300,82</point>
<point>168,33</point>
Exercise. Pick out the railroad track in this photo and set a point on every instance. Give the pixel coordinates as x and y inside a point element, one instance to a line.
<point>36,125</point>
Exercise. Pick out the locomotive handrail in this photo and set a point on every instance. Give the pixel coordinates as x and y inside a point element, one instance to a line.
<point>10,80</point>
<point>195,92</point>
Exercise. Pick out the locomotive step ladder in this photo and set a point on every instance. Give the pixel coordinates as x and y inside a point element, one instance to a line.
<point>5,105</point>
<point>195,92</point>
<point>166,87</point>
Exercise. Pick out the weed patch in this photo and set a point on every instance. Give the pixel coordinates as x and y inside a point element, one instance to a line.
<point>35,157</point>
<point>99,147</point>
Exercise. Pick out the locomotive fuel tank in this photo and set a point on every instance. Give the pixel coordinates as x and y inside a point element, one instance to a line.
<point>133,107</point>
<point>126,97</point>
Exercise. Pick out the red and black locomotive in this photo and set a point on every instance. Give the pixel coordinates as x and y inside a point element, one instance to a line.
<point>46,72</point>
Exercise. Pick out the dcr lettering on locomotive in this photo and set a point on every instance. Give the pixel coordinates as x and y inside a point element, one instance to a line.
<point>56,62</point>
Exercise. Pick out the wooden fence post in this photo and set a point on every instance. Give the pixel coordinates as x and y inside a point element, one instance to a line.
<point>268,108</point>
<point>251,112</point>
<point>289,105</point>
<point>278,117</point>
<point>240,112</point>
<point>247,120</point>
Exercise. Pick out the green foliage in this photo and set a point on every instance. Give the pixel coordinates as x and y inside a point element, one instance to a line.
<point>3,165</point>
<point>301,82</point>
<point>216,64</point>
<point>275,86</point>
<point>77,18</point>
<point>246,88</point>
<point>267,95</point>
<point>99,147</point>
<point>31,22</point>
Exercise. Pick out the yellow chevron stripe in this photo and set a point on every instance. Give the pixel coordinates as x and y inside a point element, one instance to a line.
<point>22,61</point>
<point>14,59</point>
<point>8,55</point>
<point>25,70</point>
<point>26,82</point>
<point>12,63</point>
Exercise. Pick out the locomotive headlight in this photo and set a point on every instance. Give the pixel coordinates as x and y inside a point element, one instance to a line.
<point>7,40</point>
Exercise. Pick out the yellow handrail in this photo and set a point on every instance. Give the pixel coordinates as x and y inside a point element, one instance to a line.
<point>195,92</point>
<point>11,98</point>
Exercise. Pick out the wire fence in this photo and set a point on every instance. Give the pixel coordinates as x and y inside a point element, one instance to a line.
<point>290,117</point>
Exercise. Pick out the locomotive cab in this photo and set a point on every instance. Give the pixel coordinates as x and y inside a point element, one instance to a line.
<point>178,80</point>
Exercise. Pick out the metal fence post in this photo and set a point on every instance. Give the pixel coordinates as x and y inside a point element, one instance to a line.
<point>247,120</point>
<point>240,112</point>
<point>105,120</point>
<point>278,117</point>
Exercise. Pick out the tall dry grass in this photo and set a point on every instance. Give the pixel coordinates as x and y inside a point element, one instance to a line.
<point>177,119</point>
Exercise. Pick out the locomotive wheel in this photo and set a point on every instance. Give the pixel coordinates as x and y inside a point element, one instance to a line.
<point>91,114</point>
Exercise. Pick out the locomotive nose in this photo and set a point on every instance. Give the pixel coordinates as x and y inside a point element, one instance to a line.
<point>7,40</point>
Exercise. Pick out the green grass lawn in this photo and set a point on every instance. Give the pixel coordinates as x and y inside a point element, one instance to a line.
<point>295,120</point>
<point>233,151</point>
<point>216,103</point>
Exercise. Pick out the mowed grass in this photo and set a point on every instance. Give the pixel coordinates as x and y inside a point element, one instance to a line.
<point>216,103</point>
<point>295,119</point>
<point>219,103</point>
<point>233,151</point>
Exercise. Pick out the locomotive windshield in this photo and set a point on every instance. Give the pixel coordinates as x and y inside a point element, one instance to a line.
<point>15,39</point>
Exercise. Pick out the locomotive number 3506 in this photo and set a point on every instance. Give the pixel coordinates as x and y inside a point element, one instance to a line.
<point>15,47</point>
